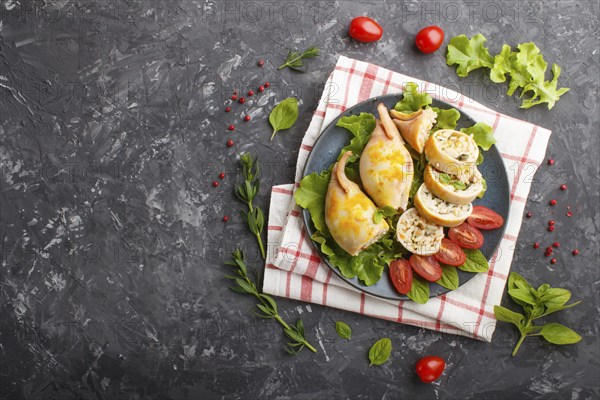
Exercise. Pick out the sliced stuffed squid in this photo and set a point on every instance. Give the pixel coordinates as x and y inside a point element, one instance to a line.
<point>415,127</point>
<point>452,152</point>
<point>418,235</point>
<point>439,211</point>
<point>386,167</point>
<point>349,213</point>
<point>454,189</point>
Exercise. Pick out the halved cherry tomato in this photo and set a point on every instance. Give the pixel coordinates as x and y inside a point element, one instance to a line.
<point>401,275</point>
<point>429,39</point>
<point>364,29</point>
<point>484,218</point>
<point>450,253</point>
<point>426,266</point>
<point>466,236</point>
<point>430,368</point>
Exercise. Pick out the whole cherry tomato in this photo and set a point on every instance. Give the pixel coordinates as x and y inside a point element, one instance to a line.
<point>430,368</point>
<point>364,29</point>
<point>429,39</point>
<point>484,218</point>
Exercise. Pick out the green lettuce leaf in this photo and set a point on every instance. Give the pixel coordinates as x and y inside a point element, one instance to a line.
<point>446,119</point>
<point>503,64</point>
<point>311,195</point>
<point>482,134</point>
<point>412,99</point>
<point>469,55</point>
<point>361,126</point>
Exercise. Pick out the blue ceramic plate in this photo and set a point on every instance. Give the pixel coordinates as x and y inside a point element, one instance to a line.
<point>328,147</point>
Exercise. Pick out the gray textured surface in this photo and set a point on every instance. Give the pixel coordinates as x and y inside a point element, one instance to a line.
<point>111,132</point>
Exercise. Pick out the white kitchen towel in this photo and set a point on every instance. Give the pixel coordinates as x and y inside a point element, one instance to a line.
<point>295,270</point>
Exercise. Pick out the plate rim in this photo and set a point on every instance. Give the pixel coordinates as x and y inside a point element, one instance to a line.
<point>306,214</point>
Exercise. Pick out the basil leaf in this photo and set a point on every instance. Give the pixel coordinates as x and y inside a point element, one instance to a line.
<point>516,281</point>
<point>284,115</point>
<point>555,297</point>
<point>380,351</point>
<point>553,309</point>
<point>343,330</point>
<point>506,315</point>
<point>419,291</point>
<point>559,334</point>
<point>475,262</point>
<point>449,278</point>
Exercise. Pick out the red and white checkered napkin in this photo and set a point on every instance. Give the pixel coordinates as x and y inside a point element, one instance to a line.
<point>294,269</point>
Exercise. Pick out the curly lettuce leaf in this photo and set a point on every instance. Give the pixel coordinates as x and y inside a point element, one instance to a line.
<point>446,119</point>
<point>311,195</point>
<point>412,99</point>
<point>468,54</point>
<point>482,134</point>
<point>503,64</point>
<point>361,126</point>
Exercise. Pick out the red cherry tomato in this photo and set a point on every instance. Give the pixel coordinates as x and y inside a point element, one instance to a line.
<point>401,275</point>
<point>466,236</point>
<point>430,368</point>
<point>364,29</point>
<point>426,266</point>
<point>484,218</point>
<point>429,39</point>
<point>450,253</point>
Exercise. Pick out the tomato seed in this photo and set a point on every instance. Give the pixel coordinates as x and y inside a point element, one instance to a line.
<point>575,252</point>
<point>242,100</point>
<point>261,63</point>
<point>553,261</point>
<point>231,127</point>
<point>536,245</point>
<point>250,93</point>
<point>550,161</point>
<point>222,175</point>
<point>247,118</point>
<point>261,89</point>
<point>563,187</point>
<point>229,143</point>
<point>225,218</point>
<point>528,215</point>
<point>267,84</point>
<point>215,184</point>
<point>556,244</point>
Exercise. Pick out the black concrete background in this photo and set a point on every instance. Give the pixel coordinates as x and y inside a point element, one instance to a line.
<point>111,132</point>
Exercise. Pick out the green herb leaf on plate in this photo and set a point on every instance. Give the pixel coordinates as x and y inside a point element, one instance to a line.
<point>449,278</point>
<point>446,119</point>
<point>482,133</point>
<point>413,100</point>
<point>343,330</point>
<point>475,262</point>
<point>468,54</point>
<point>380,351</point>
<point>284,115</point>
<point>419,291</point>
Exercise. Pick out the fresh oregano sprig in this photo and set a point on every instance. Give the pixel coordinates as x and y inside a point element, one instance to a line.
<point>246,192</point>
<point>294,58</point>
<point>537,303</point>
<point>267,308</point>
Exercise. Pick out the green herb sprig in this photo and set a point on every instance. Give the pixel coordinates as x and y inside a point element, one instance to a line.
<point>267,308</point>
<point>294,58</point>
<point>246,192</point>
<point>537,303</point>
